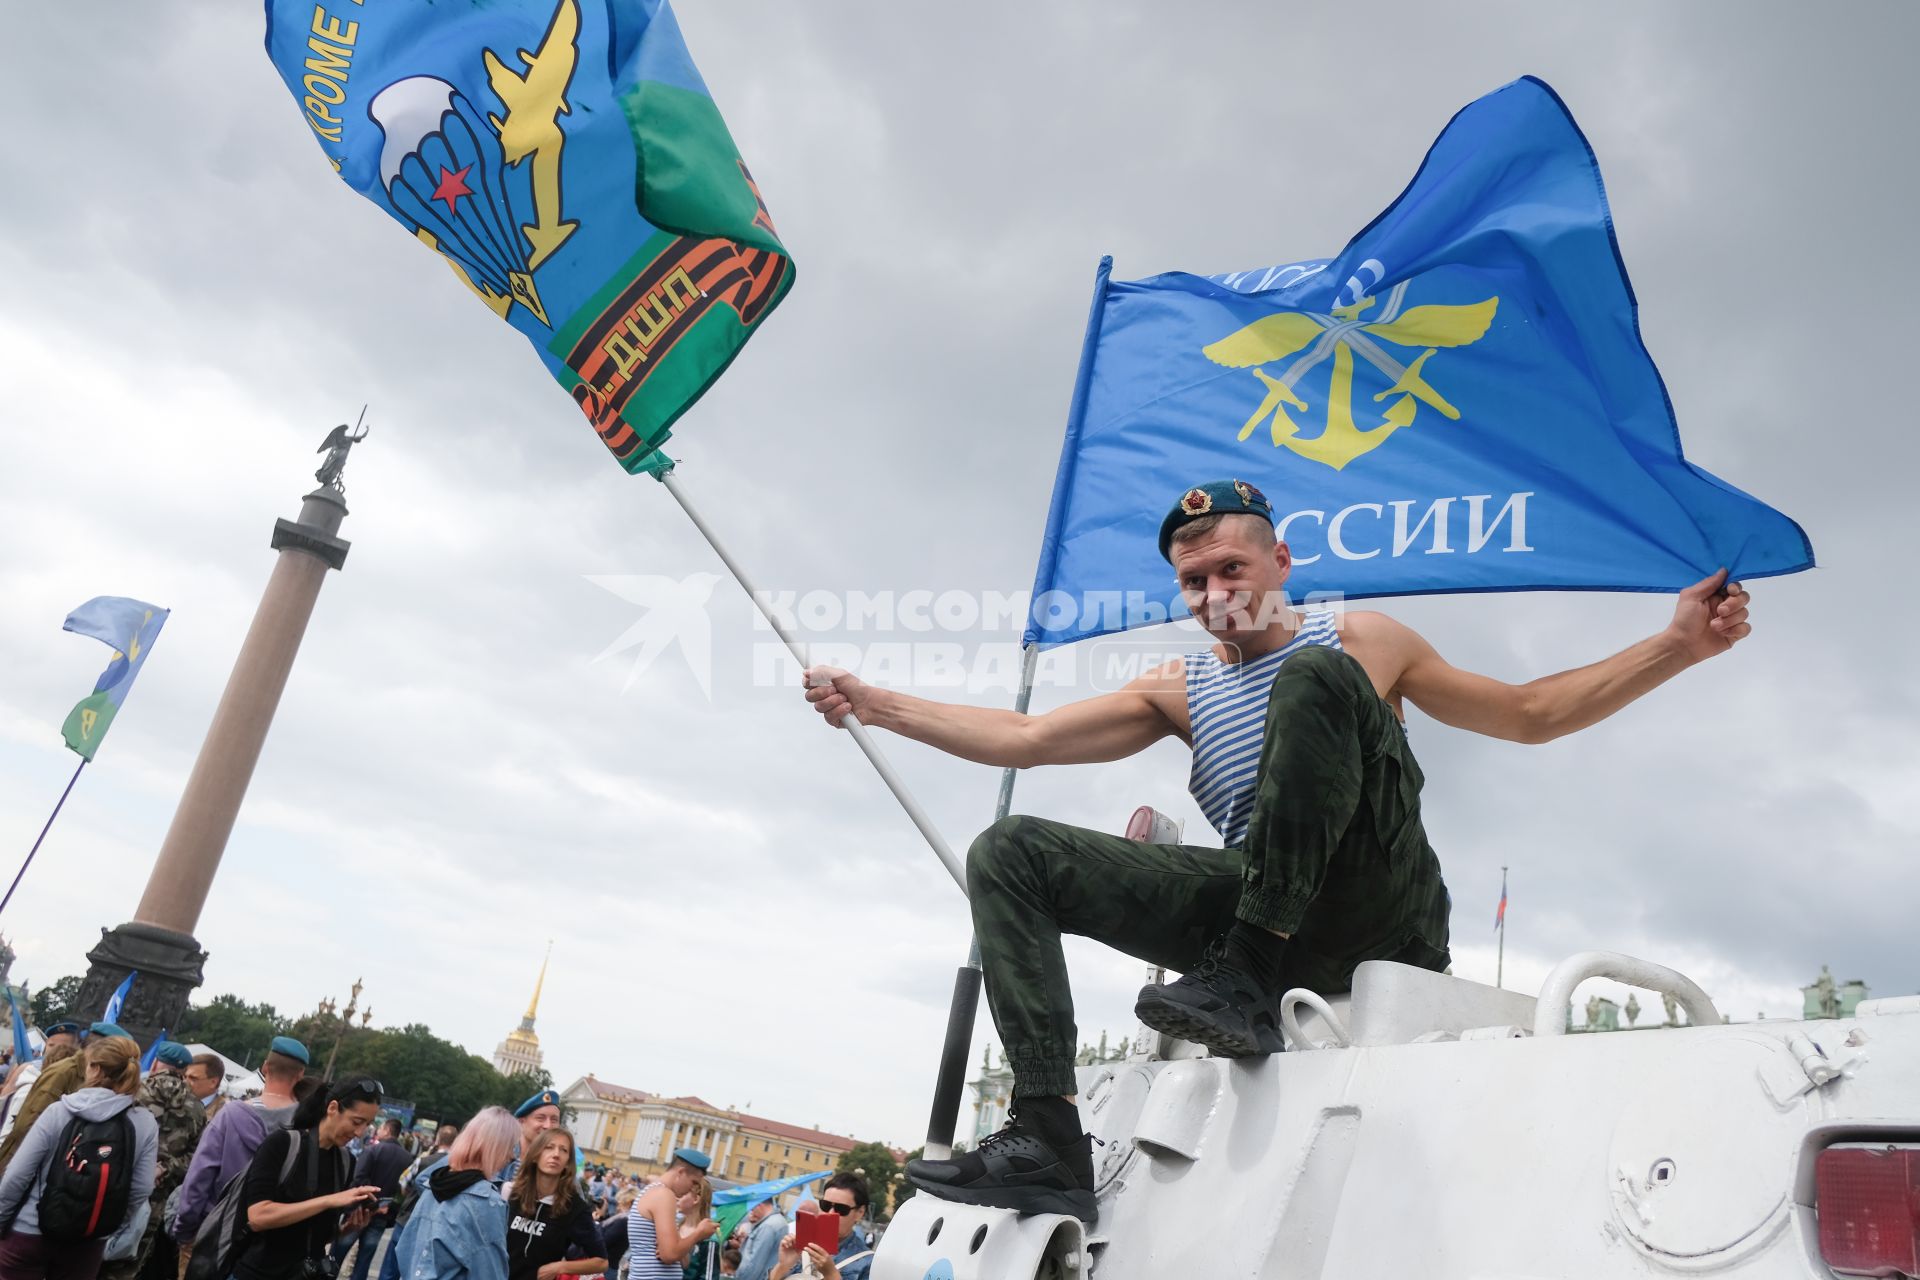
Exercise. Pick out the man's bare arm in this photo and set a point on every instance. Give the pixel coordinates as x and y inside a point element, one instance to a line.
<point>1709,618</point>
<point>671,1242</point>
<point>1108,727</point>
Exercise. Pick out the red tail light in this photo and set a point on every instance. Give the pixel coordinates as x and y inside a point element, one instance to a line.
<point>1868,1202</point>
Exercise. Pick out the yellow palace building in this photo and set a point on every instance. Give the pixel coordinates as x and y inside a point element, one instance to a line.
<point>636,1132</point>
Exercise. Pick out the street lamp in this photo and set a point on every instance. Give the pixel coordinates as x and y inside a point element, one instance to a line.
<point>346,1021</point>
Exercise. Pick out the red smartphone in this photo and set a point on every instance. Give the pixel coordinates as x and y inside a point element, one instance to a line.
<point>816,1228</point>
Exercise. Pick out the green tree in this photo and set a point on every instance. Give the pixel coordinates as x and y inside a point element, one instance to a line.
<point>442,1080</point>
<point>881,1170</point>
<point>439,1078</point>
<point>904,1192</point>
<point>56,1000</point>
<point>522,1085</point>
<point>240,1030</point>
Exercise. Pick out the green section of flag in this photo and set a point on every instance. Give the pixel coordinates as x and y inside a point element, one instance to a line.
<point>653,463</point>
<point>690,178</point>
<point>729,1216</point>
<point>87,723</point>
<point>696,363</point>
<point>682,376</point>
<point>567,336</point>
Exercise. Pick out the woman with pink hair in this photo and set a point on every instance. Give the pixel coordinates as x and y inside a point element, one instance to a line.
<point>459,1230</point>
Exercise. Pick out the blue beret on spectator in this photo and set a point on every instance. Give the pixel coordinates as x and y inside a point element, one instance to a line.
<point>290,1047</point>
<point>544,1098</point>
<point>174,1055</point>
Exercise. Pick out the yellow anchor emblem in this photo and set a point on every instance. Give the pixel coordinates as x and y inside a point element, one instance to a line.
<point>1339,334</point>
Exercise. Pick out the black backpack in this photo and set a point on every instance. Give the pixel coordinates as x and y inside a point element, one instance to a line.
<point>89,1179</point>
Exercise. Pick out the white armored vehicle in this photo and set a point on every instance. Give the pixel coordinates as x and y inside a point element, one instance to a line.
<point>1436,1128</point>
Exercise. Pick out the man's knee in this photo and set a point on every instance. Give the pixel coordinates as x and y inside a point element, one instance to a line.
<point>1321,672</point>
<point>1326,664</point>
<point>1002,848</point>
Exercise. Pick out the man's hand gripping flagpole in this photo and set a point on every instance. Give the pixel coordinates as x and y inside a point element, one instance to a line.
<point>941,849</point>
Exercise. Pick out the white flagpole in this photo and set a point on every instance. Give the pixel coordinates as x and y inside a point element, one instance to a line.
<point>1500,962</point>
<point>954,866</point>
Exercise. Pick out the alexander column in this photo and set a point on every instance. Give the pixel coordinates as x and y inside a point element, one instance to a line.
<point>158,942</point>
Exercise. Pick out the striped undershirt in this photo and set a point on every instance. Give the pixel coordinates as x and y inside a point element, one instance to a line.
<point>643,1250</point>
<point>1227,703</point>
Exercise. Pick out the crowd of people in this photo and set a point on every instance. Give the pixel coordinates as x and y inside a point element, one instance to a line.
<point>109,1171</point>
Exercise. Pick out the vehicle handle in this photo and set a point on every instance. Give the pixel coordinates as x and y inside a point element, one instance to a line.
<point>1556,994</point>
<point>1290,1022</point>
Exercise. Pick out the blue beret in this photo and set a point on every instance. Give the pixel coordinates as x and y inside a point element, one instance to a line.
<point>64,1028</point>
<point>290,1047</point>
<point>544,1098</point>
<point>687,1155</point>
<point>1217,498</point>
<point>174,1055</point>
<point>107,1029</point>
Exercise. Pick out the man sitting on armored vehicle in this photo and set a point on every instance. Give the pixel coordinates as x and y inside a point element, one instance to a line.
<point>1299,759</point>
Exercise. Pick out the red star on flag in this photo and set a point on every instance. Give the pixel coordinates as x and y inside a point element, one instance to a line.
<point>452,186</point>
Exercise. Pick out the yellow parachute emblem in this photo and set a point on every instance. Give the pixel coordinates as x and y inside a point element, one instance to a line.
<point>1339,334</point>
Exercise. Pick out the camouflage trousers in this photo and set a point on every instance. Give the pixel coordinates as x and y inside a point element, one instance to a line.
<point>1335,856</point>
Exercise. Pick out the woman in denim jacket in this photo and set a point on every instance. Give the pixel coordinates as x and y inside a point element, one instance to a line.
<point>459,1229</point>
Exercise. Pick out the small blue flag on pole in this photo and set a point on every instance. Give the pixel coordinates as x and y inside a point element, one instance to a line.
<point>118,998</point>
<point>730,1207</point>
<point>22,1045</point>
<point>1460,401</point>
<point>153,1050</point>
<point>129,627</point>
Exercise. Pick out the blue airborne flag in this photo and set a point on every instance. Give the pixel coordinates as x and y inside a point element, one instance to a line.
<point>22,1043</point>
<point>566,160</point>
<point>119,998</point>
<point>148,1058</point>
<point>1460,401</point>
<point>731,1206</point>
<point>129,627</point>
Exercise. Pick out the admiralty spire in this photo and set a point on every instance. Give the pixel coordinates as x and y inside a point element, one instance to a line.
<point>520,1052</point>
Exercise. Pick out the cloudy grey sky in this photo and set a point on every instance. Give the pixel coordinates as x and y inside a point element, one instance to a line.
<point>192,300</point>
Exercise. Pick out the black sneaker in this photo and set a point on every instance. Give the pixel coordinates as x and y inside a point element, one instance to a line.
<point>1016,1169</point>
<point>1217,1005</point>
